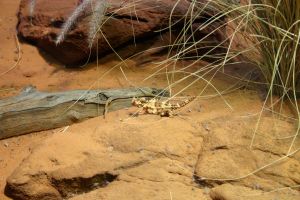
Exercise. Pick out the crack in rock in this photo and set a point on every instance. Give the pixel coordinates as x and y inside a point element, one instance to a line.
<point>132,165</point>
<point>131,18</point>
<point>78,185</point>
<point>206,183</point>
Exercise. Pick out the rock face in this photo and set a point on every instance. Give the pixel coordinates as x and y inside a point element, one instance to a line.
<point>97,164</point>
<point>126,22</point>
<point>202,156</point>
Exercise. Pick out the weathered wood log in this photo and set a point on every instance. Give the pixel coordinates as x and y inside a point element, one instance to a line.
<point>33,111</point>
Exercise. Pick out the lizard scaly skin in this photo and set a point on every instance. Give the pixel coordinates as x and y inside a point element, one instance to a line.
<point>164,108</point>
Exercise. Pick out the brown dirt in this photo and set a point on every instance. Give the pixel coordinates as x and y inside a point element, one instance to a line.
<point>151,157</point>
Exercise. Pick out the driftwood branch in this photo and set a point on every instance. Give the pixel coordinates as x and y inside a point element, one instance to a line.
<point>33,111</point>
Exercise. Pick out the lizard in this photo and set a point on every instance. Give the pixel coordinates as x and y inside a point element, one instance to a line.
<point>164,108</point>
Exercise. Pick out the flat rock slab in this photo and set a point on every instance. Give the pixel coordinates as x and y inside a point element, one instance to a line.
<point>231,192</point>
<point>131,160</point>
<point>227,155</point>
<point>199,155</point>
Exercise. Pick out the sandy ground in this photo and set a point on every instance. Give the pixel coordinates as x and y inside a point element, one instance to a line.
<point>38,69</point>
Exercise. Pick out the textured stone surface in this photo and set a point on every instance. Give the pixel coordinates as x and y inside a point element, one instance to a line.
<point>230,192</point>
<point>132,22</point>
<point>131,160</point>
<point>196,155</point>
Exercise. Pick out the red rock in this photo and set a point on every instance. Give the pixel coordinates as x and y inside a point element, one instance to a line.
<point>144,19</point>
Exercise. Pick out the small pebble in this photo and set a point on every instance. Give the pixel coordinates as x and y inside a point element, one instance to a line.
<point>206,190</point>
<point>27,74</point>
<point>95,185</point>
<point>111,148</point>
<point>256,186</point>
<point>206,127</point>
<point>6,144</point>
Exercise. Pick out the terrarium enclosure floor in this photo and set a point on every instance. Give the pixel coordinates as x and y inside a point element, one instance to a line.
<point>207,137</point>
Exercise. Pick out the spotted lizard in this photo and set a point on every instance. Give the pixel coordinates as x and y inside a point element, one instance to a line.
<point>164,107</point>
